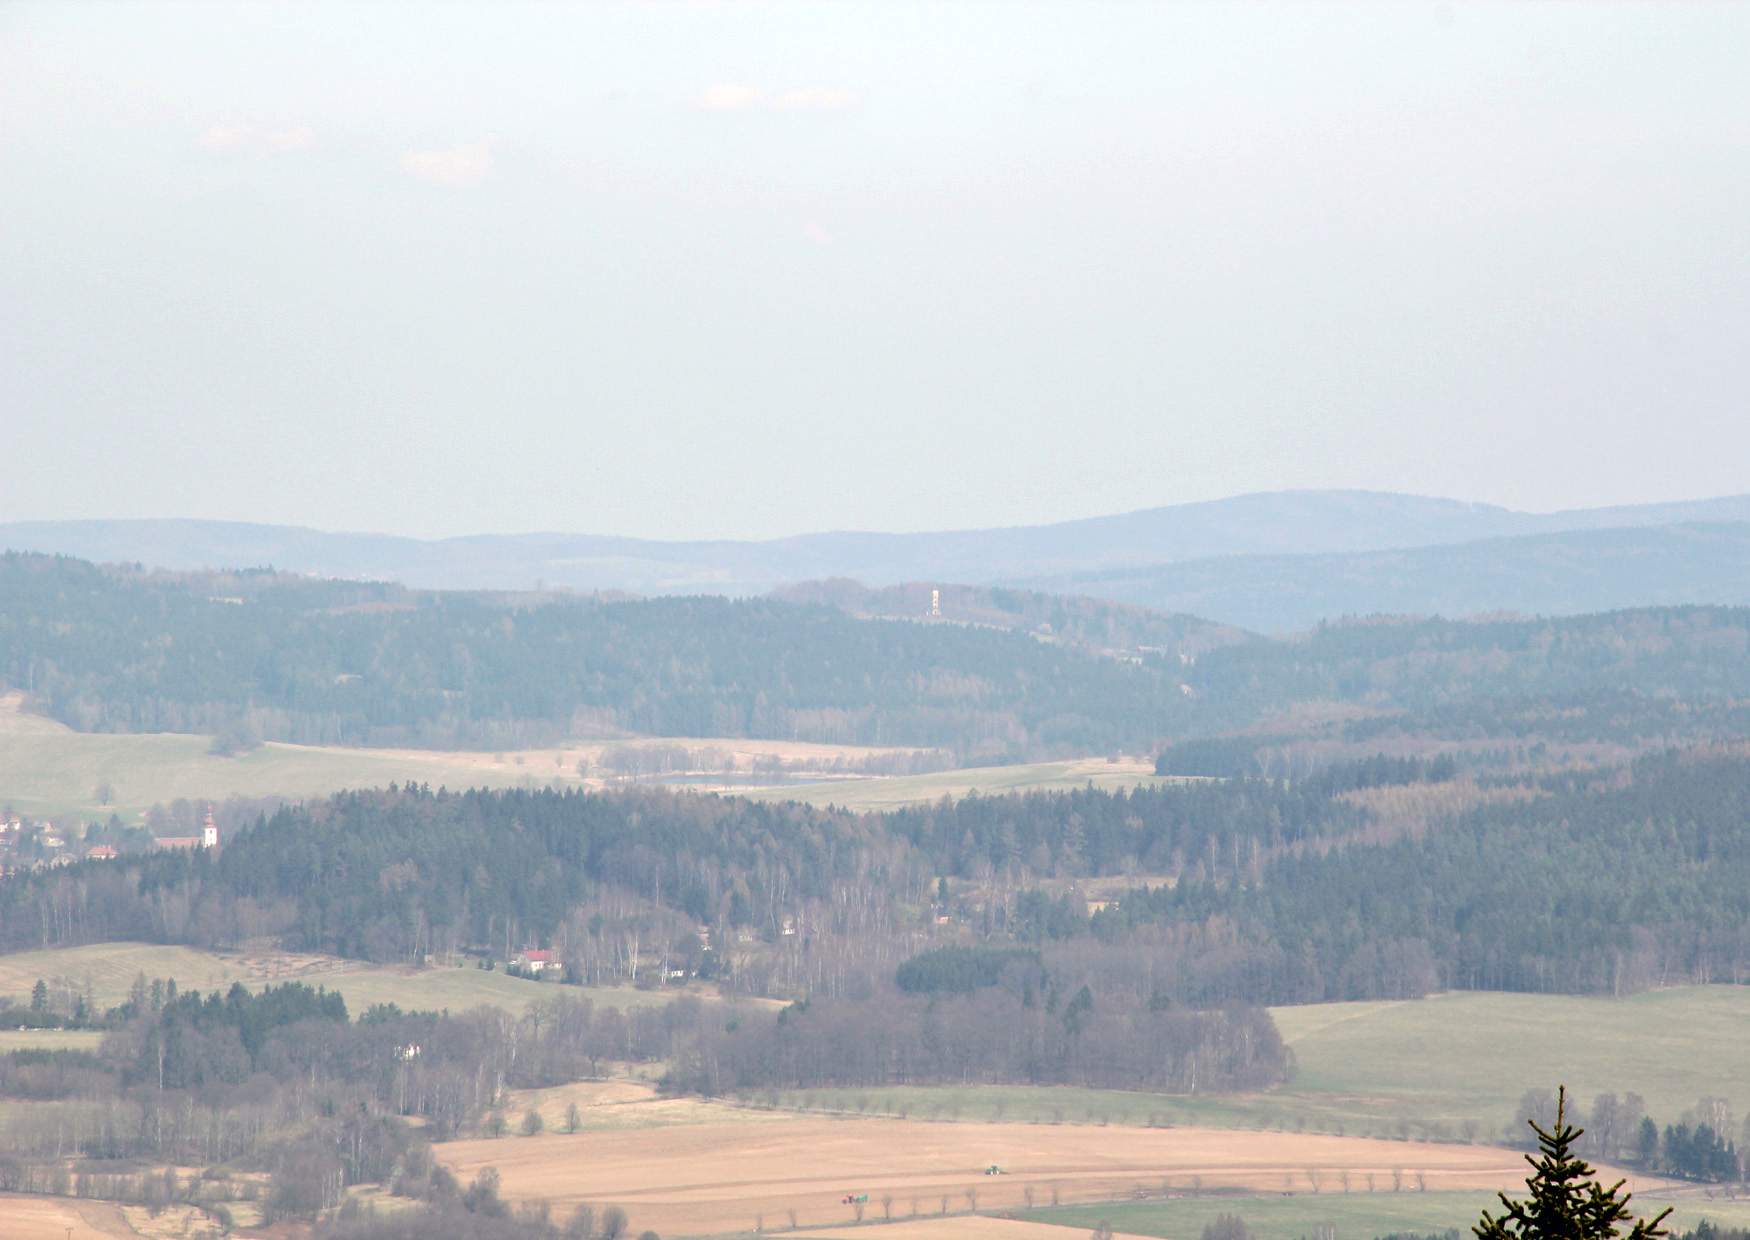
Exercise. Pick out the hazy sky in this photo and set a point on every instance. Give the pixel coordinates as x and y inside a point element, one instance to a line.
<point>747,269</point>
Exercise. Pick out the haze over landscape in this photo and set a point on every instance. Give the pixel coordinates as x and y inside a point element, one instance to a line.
<point>998,621</point>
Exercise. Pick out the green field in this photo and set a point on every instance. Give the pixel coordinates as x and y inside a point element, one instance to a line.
<point>1422,1068</point>
<point>889,792</point>
<point>1348,1216</point>
<point>109,969</point>
<point>1279,1216</point>
<point>49,1040</point>
<point>49,770</point>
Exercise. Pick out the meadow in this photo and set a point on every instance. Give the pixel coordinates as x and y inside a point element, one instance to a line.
<point>1354,1216</point>
<point>49,770</point>
<point>61,1218</point>
<point>107,970</point>
<point>895,791</point>
<point>1451,1067</point>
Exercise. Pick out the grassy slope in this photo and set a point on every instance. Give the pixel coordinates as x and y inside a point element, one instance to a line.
<point>110,969</point>
<point>1281,1217</point>
<point>48,769</point>
<point>1425,1067</point>
<point>889,792</point>
<point>1351,1216</point>
<point>49,1040</point>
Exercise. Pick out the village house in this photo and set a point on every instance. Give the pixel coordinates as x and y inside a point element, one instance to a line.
<point>534,960</point>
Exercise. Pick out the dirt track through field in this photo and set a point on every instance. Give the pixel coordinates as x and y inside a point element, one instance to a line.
<point>723,1177</point>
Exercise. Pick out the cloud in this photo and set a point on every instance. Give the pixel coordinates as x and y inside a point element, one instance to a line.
<point>737,97</point>
<point>817,233</point>
<point>457,165</point>
<point>814,100</point>
<point>297,138</point>
<point>247,139</point>
<point>225,137</point>
<point>730,97</point>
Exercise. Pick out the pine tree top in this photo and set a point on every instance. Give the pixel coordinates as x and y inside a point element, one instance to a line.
<point>1566,1202</point>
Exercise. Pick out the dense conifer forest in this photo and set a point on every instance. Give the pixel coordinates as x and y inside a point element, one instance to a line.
<point>1381,878</point>
<point>260,655</point>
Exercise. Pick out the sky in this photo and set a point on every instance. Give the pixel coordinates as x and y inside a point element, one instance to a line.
<point>743,270</point>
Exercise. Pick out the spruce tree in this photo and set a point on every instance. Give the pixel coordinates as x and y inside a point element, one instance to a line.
<point>1566,1203</point>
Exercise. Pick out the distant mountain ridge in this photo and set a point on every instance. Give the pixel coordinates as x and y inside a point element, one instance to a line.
<point>1283,523</point>
<point>1560,574</point>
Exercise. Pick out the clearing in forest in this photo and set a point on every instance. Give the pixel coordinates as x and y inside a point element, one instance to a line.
<point>109,969</point>
<point>48,769</point>
<point>897,791</point>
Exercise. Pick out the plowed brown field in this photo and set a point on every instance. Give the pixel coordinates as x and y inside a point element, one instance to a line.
<point>56,1218</point>
<point>720,1177</point>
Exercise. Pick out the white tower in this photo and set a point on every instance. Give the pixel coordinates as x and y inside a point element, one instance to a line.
<point>210,832</point>
<point>935,604</point>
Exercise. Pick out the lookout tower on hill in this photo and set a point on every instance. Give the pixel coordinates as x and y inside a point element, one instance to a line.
<point>935,604</point>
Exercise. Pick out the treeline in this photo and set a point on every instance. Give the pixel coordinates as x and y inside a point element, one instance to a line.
<point>281,1079</point>
<point>265,656</point>
<point>1699,1146</point>
<point>989,1036</point>
<point>1251,757</point>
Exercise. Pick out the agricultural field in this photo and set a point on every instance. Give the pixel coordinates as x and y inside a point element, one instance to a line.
<point>1451,1067</point>
<point>1278,1216</point>
<point>49,1040</point>
<point>109,969</point>
<point>729,1176</point>
<point>48,769</point>
<point>959,1227</point>
<point>24,1217</point>
<point>892,792</point>
<point>1355,1216</point>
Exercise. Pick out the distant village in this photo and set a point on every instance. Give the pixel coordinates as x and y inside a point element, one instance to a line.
<point>28,844</point>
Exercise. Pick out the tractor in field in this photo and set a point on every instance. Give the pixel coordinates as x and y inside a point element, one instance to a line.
<point>993,1169</point>
<point>854,1199</point>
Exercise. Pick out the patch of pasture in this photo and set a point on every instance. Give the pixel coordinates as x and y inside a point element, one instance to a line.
<point>105,972</point>
<point>1448,1068</point>
<point>49,1040</point>
<point>892,792</point>
<point>48,769</point>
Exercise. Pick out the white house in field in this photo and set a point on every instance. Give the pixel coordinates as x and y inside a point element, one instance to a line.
<point>534,960</point>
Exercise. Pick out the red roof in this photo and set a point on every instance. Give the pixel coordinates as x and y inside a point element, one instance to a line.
<point>536,955</point>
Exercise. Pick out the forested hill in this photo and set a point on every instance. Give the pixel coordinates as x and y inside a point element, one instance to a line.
<point>1379,879</point>
<point>1566,573</point>
<point>296,659</point>
<point>1076,621</point>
